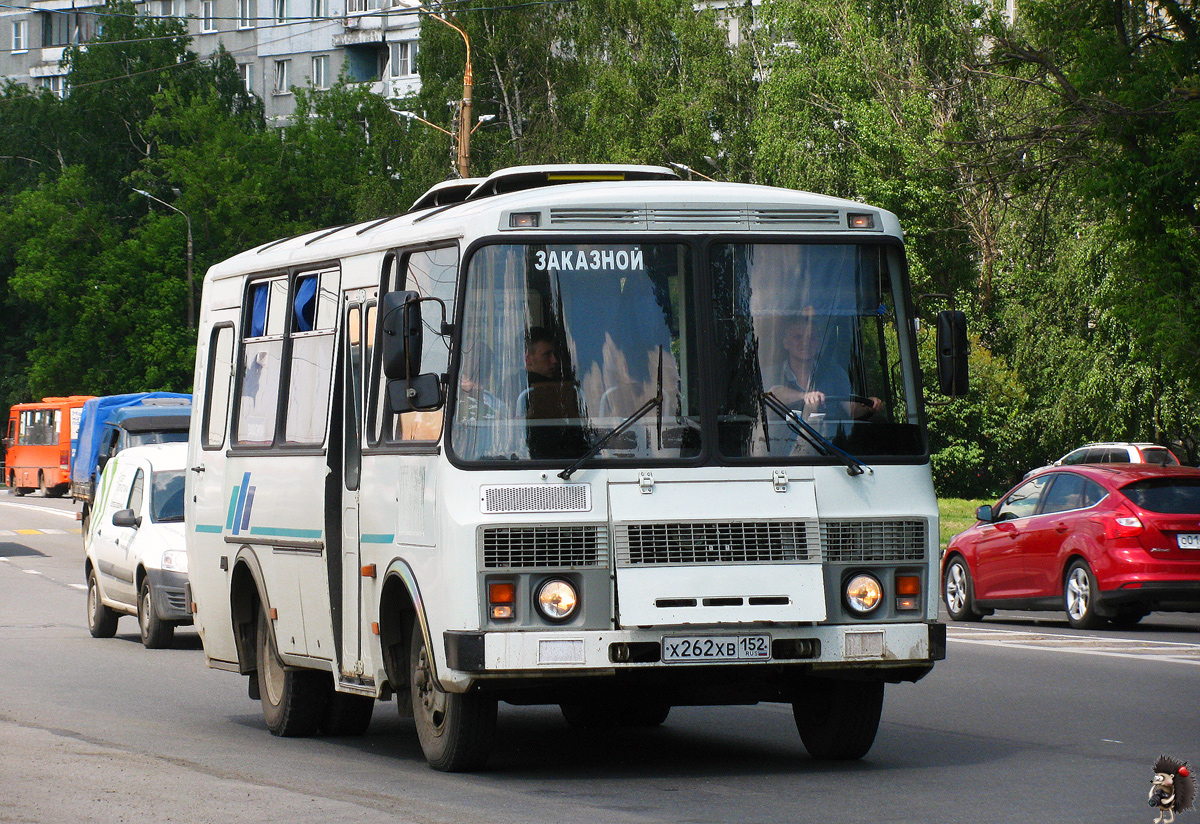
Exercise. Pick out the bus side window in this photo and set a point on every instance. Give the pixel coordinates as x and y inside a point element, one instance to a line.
<point>262,356</point>
<point>314,309</point>
<point>432,273</point>
<point>220,384</point>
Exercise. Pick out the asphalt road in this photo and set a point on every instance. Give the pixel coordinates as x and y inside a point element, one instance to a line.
<point>1027,720</point>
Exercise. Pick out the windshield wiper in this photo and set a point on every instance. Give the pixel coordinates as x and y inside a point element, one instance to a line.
<point>638,414</point>
<point>815,439</point>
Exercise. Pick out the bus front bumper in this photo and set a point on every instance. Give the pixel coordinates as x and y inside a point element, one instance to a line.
<point>562,652</point>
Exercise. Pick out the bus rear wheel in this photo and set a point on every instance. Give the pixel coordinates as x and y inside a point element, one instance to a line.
<point>17,490</point>
<point>293,700</point>
<point>455,730</point>
<point>838,720</point>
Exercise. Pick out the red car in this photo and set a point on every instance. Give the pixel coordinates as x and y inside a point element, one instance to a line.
<point>1102,542</point>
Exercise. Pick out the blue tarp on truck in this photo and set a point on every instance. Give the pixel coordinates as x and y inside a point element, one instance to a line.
<point>157,416</point>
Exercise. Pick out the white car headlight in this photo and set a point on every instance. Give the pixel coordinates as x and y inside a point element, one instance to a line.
<point>175,560</point>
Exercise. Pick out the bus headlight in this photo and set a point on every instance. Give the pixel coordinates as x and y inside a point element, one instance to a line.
<point>863,593</point>
<point>557,600</point>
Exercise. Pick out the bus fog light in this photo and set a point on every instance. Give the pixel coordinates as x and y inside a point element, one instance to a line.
<point>502,612</point>
<point>863,593</point>
<point>557,600</point>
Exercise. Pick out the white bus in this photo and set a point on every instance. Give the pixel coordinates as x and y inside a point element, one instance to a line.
<point>587,436</point>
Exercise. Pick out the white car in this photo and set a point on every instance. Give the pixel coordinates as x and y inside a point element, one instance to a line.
<point>136,560</point>
<point>1114,453</point>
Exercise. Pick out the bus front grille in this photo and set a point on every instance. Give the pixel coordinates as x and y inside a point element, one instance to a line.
<point>716,542</point>
<point>855,541</point>
<point>541,547</point>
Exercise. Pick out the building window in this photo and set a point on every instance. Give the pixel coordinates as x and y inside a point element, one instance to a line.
<point>245,14</point>
<point>320,9</point>
<point>208,15</point>
<point>20,41</point>
<point>55,85</point>
<point>320,72</point>
<point>283,80</point>
<point>246,70</point>
<point>281,11</point>
<point>404,58</point>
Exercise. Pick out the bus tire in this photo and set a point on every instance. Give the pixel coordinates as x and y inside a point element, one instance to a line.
<point>102,621</point>
<point>12,484</point>
<point>346,715</point>
<point>156,633</point>
<point>838,720</point>
<point>455,730</point>
<point>293,700</point>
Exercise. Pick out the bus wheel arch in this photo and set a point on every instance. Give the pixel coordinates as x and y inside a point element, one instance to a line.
<point>246,598</point>
<point>397,613</point>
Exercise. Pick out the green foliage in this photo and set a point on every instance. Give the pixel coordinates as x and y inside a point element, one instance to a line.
<point>1045,173</point>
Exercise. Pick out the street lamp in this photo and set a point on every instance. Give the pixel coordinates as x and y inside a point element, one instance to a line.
<point>415,116</point>
<point>190,290</point>
<point>464,111</point>
<point>684,168</point>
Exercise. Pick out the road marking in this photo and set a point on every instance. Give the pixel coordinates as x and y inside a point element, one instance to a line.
<point>31,572</point>
<point>77,586</point>
<point>66,513</point>
<point>1164,651</point>
<point>11,532</point>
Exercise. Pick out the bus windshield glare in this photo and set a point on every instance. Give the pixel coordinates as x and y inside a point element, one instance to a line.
<point>562,343</point>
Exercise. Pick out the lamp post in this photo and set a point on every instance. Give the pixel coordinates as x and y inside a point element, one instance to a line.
<point>689,170</point>
<point>190,290</point>
<point>464,111</point>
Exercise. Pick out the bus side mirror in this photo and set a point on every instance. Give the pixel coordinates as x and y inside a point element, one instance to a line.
<point>421,393</point>
<point>402,336</point>
<point>952,352</point>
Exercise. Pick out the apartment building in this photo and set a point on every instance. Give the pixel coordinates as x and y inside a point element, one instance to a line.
<point>278,44</point>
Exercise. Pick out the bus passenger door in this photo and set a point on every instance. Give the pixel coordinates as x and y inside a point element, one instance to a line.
<point>352,663</point>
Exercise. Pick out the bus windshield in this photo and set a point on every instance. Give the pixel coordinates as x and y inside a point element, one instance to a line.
<point>810,332</point>
<point>563,343</point>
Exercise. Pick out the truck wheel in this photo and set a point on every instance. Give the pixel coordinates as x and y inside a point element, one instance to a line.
<point>293,700</point>
<point>85,522</point>
<point>837,720</point>
<point>156,633</point>
<point>455,730</point>
<point>102,621</point>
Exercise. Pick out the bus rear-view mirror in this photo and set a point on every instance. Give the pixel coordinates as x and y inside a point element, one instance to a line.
<point>422,393</point>
<point>401,334</point>
<point>952,352</point>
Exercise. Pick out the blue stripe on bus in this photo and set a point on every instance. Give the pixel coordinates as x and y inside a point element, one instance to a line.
<point>232,516</point>
<point>249,507</point>
<point>285,532</point>
<point>369,538</point>
<point>209,528</point>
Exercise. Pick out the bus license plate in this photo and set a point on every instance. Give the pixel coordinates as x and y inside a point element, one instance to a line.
<point>1189,540</point>
<point>677,649</point>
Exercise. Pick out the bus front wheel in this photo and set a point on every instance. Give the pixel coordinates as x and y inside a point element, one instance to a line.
<point>837,720</point>
<point>293,700</point>
<point>455,730</point>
